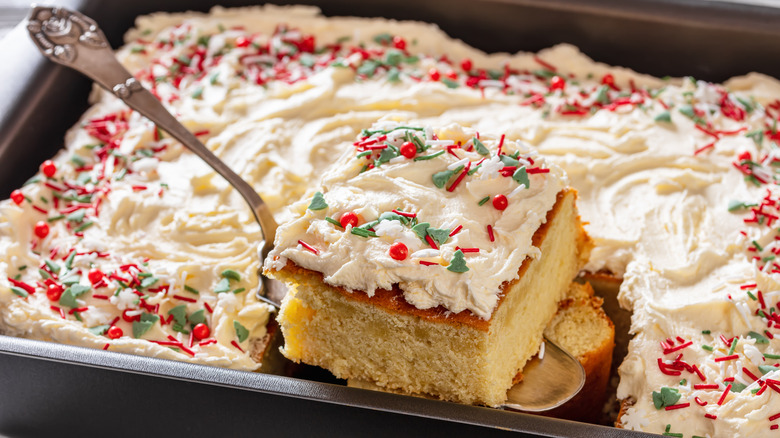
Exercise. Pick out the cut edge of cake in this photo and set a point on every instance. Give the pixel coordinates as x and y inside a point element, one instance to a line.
<point>459,357</point>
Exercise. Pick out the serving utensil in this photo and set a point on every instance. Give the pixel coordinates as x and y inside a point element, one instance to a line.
<point>74,40</point>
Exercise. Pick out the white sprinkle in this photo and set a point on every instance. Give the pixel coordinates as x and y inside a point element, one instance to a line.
<point>517,190</point>
<point>491,83</point>
<point>424,253</point>
<point>541,350</point>
<point>743,312</point>
<point>719,287</point>
<point>458,163</point>
<point>439,142</point>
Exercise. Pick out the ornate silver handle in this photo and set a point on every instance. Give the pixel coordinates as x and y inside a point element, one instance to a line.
<point>74,40</point>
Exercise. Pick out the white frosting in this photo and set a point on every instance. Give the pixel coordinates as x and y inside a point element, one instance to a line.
<point>403,184</point>
<point>657,211</point>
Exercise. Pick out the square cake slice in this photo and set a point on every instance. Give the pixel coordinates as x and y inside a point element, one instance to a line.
<point>430,261</point>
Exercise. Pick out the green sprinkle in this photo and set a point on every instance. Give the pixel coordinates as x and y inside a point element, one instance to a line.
<point>439,235</point>
<point>758,247</point>
<point>771,356</point>
<point>197,317</point>
<point>421,230</point>
<point>45,275</point>
<point>318,202</point>
<point>222,286</point>
<point>83,227</point>
<point>78,316</point>
<point>145,324</point>
<point>683,382</point>
<point>705,332</point>
<point>368,68</point>
<point>55,218</point>
<point>760,339</point>
<point>383,38</point>
<point>521,176</point>
<point>738,205</point>
<point>213,78</point>
<point>749,106</point>
<point>602,95</point>
<point>22,268</point>
<point>198,93</point>
<point>239,290</point>
<point>484,200</point>
<point>68,297</point>
<point>664,116</point>
<point>99,330</point>
<point>241,332</point>
<point>393,57</point>
<point>440,179</point>
<point>667,397</point>
<point>390,216</point>
<point>757,136</point>
<point>19,291</point>
<point>752,297</point>
<point>362,232</point>
<point>333,221</point>
<point>179,314</point>
<point>394,75</point>
<point>146,282</point>
<point>458,263</point>
<point>191,289</point>
<point>53,267</point>
<point>429,157</point>
<point>706,347</point>
<point>231,274</point>
<point>480,147</point>
<point>450,83</point>
<point>363,154</point>
<point>78,161</point>
<point>733,346</point>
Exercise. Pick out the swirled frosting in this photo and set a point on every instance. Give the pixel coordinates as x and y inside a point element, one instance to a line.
<point>676,181</point>
<point>462,207</point>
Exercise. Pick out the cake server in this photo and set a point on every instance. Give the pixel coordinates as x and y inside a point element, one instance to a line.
<point>74,40</point>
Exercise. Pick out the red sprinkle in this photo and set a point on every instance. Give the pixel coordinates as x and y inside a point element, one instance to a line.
<point>677,406</point>
<point>725,358</point>
<point>465,250</point>
<point>309,247</point>
<point>751,375</point>
<point>408,149</point>
<point>466,64</point>
<point>29,289</point>
<point>490,233</point>
<point>557,83</point>
<point>774,427</point>
<point>399,251</point>
<point>48,168</point>
<point>208,342</point>
<point>114,332</point>
<point>774,417</point>
<point>705,386</point>
<point>426,263</point>
<point>544,64</point>
<point>206,305</point>
<point>235,344</point>
<point>17,196</point>
<point>349,218</point>
<point>201,331</point>
<point>189,300</point>
<point>41,229</point>
<point>500,202</point>
<point>456,230</point>
<point>430,241</point>
<point>725,393</point>
<point>404,214</point>
<point>699,401</point>
<point>711,417</point>
<point>105,347</point>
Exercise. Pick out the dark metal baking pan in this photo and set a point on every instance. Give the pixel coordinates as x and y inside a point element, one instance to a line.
<point>48,389</point>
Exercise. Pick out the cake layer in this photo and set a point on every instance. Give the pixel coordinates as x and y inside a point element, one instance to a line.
<point>375,340</point>
<point>582,328</point>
